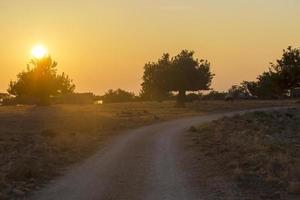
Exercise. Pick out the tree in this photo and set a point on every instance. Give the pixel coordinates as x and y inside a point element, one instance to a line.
<point>39,82</point>
<point>189,74</point>
<point>180,74</point>
<point>119,95</point>
<point>266,86</point>
<point>154,83</point>
<point>286,71</point>
<point>237,91</point>
<point>281,76</point>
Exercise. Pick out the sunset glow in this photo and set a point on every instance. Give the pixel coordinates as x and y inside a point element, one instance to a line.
<point>105,44</point>
<point>39,51</point>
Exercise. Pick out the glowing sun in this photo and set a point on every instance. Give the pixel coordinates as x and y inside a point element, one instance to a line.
<point>39,51</point>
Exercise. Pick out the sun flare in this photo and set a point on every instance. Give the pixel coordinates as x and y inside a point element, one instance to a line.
<point>39,51</point>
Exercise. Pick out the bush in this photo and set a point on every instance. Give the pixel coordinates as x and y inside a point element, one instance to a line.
<point>214,95</point>
<point>9,102</point>
<point>119,95</point>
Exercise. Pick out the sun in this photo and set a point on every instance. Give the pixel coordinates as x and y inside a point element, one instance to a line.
<point>39,51</point>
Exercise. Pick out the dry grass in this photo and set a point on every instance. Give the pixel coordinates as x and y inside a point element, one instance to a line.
<point>35,142</point>
<point>259,150</point>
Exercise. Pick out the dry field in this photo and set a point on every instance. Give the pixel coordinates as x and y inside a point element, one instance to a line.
<point>259,152</point>
<point>36,143</point>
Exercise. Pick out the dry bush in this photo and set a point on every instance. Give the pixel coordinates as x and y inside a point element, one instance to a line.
<point>258,149</point>
<point>36,142</point>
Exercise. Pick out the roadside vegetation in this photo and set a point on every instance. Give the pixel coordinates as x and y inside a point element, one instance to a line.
<point>181,73</point>
<point>39,135</point>
<point>183,78</point>
<point>39,82</point>
<point>258,151</point>
<point>279,81</point>
<point>37,142</point>
<point>117,96</point>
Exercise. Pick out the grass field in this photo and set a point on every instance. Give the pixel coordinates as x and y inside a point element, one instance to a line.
<point>37,142</point>
<point>259,151</point>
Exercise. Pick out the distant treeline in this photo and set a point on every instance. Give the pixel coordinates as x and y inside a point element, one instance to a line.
<point>183,78</point>
<point>111,96</point>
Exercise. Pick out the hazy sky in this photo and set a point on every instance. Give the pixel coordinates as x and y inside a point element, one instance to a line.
<point>104,44</point>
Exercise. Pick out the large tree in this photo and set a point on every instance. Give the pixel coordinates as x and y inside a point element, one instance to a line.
<point>39,82</point>
<point>154,86</point>
<point>189,74</point>
<point>282,75</point>
<point>286,70</point>
<point>180,74</point>
<point>266,86</point>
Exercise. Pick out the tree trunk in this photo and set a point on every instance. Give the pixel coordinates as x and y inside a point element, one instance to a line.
<point>181,98</point>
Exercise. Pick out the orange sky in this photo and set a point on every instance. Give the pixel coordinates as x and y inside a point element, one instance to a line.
<point>105,44</point>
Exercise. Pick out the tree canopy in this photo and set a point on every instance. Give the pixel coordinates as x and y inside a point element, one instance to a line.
<point>39,82</point>
<point>282,75</point>
<point>154,86</point>
<point>180,74</point>
<point>286,71</point>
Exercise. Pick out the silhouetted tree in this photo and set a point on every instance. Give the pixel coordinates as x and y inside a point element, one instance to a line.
<point>119,95</point>
<point>180,74</point>
<point>281,76</point>
<point>266,86</point>
<point>39,82</point>
<point>286,71</point>
<point>154,83</point>
<point>189,74</point>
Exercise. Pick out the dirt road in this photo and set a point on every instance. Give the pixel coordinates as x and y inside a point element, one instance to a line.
<point>144,164</point>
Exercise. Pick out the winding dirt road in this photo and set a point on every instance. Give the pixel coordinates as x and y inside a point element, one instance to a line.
<point>145,164</point>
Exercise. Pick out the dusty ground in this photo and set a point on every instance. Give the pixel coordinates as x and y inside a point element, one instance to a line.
<point>36,142</point>
<point>146,163</point>
<point>258,154</point>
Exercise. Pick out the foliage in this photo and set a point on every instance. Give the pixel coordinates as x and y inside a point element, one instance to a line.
<point>265,87</point>
<point>6,99</point>
<point>180,74</point>
<point>286,70</point>
<point>4,96</point>
<point>39,82</point>
<point>214,95</point>
<point>154,83</point>
<point>119,95</point>
<point>237,91</point>
<point>281,76</point>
